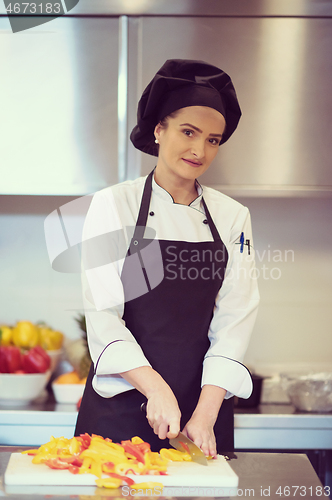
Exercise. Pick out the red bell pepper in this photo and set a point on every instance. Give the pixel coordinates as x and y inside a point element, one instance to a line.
<point>127,480</point>
<point>74,469</point>
<point>137,450</point>
<point>57,463</point>
<point>10,359</point>
<point>85,440</point>
<point>36,360</point>
<point>71,463</point>
<point>185,447</point>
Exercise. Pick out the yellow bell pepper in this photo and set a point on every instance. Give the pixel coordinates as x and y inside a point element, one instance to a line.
<point>174,455</point>
<point>85,467</point>
<point>137,440</point>
<point>30,452</point>
<point>50,340</point>
<point>25,334</point>
<point>5,335</point>
<point>74,446</point>
<point>154,463</point>
<point>109,482</point>
<point>102,456</point>
<point>95,468</point>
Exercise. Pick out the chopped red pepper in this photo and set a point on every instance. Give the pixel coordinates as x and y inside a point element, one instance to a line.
<point>72,463</point>
<point>74,469</point>
<point>85,440</point>
<point>108,467</point>
<point>127,480</point>
<point>57,463</point>
<point>185,447</point>
<point>131,471</point>
<point>133,449</point>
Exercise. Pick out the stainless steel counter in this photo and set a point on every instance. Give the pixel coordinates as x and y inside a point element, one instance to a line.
<point>273,475</point>
<point>268,427</point>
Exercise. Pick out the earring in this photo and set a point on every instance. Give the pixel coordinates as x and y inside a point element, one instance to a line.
<point>156,141</point>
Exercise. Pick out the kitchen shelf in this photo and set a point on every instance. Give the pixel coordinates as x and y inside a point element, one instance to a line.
<point>267,427</point>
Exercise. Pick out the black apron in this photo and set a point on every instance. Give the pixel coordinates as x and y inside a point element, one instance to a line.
<point>171,324</point>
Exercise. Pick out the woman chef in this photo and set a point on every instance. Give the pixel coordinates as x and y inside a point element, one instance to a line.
<point>169,286</point>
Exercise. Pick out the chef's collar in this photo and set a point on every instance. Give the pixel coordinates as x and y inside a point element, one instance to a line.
<point>166,196</point>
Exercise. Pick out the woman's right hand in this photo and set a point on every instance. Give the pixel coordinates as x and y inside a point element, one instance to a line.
<point>163,413</point>
<point>162,409</point>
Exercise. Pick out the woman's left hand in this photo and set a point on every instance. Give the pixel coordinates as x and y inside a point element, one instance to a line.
<point>199,430</point>
<point>200,427</point>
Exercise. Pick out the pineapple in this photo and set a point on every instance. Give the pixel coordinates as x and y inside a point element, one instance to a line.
<point>77,351</point>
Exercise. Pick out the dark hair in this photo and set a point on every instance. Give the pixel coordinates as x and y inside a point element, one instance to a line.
<point>164,123</point>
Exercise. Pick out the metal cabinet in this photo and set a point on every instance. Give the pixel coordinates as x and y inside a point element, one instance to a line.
<point>63,132</point>
<point>281,68</point>
<point>58,127</point>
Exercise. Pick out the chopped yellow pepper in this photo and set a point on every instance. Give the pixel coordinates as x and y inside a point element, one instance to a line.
<point>109,482</point>
<point>137,440</point>
<point>98,456</point>
<point>174,455</point>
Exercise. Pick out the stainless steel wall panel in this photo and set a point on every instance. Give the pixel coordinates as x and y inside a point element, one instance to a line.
<point>281,68</point>
<point>202,7</point>
<point>58,128</point>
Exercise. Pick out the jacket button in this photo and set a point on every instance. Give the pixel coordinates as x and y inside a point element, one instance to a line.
<point>151,213</point>
<point>205,221</point>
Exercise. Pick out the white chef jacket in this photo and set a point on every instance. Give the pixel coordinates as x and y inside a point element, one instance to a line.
<point>112,346</point>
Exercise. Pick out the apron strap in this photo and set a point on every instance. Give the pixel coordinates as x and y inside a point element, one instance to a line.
<point>213,229</point>
<point>144,209</point>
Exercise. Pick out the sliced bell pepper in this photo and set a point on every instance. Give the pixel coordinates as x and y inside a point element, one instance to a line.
<point>57,463</point>
<point>125,479</point>
<point>95,468</point>
<point>133,450</point>
<point>96,455</point>
<point>108,482</point>
<point>73,469</point>
<point>108,467</point>
<point>174,455</point>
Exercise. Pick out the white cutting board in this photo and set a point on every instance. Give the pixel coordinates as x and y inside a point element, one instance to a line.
<point>218,473</point>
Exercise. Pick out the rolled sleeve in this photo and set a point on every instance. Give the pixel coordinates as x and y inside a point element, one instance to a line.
<point>231,374</point>
<point>234,316</point>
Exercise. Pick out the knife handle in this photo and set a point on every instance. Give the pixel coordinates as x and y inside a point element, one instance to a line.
<point>143,407</point>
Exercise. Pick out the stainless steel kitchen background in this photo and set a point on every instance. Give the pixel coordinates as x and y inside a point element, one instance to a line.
<point>69,94</point>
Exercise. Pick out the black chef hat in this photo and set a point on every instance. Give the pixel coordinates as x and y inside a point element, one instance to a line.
<point>180,83</point>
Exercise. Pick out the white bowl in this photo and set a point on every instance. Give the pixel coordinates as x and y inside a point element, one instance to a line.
<point>68,393</point>
<point>20,389</point>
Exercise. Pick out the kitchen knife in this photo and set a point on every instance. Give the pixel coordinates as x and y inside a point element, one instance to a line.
<point>182,443</point>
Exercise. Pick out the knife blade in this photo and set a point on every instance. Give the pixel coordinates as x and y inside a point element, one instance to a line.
<point>182,443</point>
